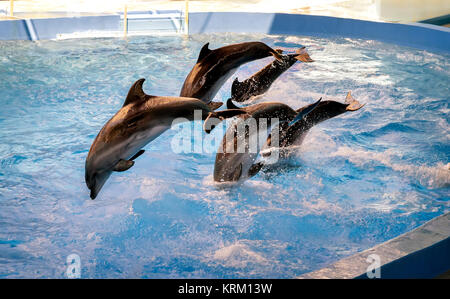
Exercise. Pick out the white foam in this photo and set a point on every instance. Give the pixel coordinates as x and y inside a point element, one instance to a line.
<point>398,200</point>
<point>436,176</point>
<point>318,206</point>
<point>238,255</point>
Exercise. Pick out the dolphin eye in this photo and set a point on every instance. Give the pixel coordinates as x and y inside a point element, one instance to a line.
<point>132,124</point>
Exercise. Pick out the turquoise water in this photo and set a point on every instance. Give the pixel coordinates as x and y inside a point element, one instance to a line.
<point>358,179</point>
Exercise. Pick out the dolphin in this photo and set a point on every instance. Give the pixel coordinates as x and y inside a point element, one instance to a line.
<point>141,119</point>
<point>232,166</point>
<point>214,67</point>
<point>261,81</point>
<point>295,133</point>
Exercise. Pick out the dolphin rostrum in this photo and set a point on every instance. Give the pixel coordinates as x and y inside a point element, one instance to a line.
<point>214,67</point>
<point>141,119</point>
<point>233,166</point>
<point>261,81</point>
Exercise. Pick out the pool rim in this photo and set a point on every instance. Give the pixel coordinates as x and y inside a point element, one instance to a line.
<point>417,35</point>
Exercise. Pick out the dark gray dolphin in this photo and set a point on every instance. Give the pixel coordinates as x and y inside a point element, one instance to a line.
<point>292,129</point>
<point>295,133</point>
<point>141,119</point>
<point>214,67</point>
<point>234,165</point>
<point>261,81</point>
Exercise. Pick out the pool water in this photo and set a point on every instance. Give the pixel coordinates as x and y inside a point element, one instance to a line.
<point>359,179</point>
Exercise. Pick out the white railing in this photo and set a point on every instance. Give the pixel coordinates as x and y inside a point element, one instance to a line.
<point>141,22</point>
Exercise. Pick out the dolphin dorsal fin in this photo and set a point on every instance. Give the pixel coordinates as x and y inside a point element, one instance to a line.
<point>231,105</point>
<point>204,52</point>
<point>235,87</point>
<point>136,93</point>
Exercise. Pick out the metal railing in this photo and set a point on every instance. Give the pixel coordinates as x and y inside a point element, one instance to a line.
<point>138,22</point>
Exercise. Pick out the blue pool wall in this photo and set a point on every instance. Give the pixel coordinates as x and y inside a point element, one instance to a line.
<point>422,36</point>
<point>417,35</point>
<point>427,263</point>
<point>50,28</point>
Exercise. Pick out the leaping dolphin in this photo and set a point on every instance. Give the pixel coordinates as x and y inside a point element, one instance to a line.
<point>234,165</point>
<point>293,127</point>
<point>295,133</point>
<point>261,81</point>
<point>214,67</point>
<point>141,119</point>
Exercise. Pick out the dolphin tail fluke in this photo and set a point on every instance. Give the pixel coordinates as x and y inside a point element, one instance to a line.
<point>216,117</point>
<point>304,112</point>
<point>302,55</point>
<point>352,104</point>
<point>214,105</point>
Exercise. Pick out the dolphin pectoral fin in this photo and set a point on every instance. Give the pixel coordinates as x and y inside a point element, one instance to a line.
<point>204,52</point>
<point>255,168</point>
<point>136,93</point>
<point>237,173</point>
<point>231,105</point>
<point>353,104</point>
<point>214,105</point>
<point>304,112</point>
<point>137,155</point>
<point>303,55</point>
<point>123,165</point>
